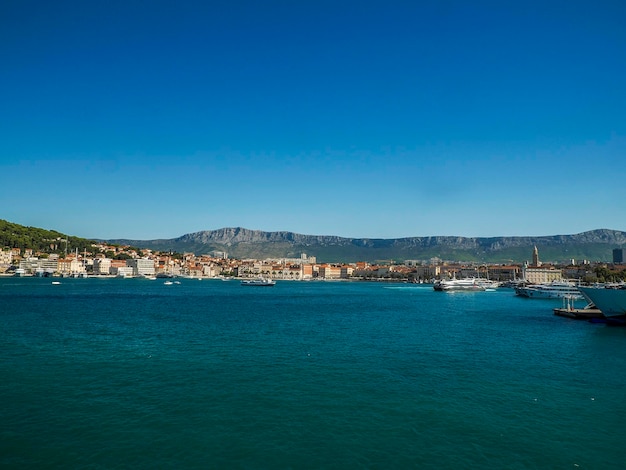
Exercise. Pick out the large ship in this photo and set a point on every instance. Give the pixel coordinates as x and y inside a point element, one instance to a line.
<point>610,301</point>
<point>552,290</point>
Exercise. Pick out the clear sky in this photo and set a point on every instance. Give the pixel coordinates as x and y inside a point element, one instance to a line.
<point>378,119</point>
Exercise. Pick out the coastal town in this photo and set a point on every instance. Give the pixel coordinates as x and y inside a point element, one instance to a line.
<point>130,262</point>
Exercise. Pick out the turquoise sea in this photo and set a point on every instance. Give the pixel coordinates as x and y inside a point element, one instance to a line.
<point>113,373</point>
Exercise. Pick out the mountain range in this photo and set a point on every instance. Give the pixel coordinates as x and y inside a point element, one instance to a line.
<point>242,243</point>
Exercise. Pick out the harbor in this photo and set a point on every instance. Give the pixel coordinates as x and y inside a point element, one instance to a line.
<point>320,374</point>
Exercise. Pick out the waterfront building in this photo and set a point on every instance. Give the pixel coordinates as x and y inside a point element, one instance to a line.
<point>503,273</point>
<point>29,265</point>
<point>122,271</point>
<point>575,272</point>
<point>102,266</point>
<point>541,275</point>
<point>39,266</point>
<point>328,271</point>
<point>618,256</point>
<point>427,272</point>
<point>70,266</point>
<point>195,270</point>
<point>211,270</point>
<point>141,266</point>
<point>307,271</point>
<point>6,256</point>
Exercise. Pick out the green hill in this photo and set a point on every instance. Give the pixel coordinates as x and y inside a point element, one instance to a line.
<point>40,240</point>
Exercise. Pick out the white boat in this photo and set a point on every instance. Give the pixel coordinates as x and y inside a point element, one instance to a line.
<point>552,290</point>
<point>610,301</point>
<point>465,284</point>
<point>258,282</point>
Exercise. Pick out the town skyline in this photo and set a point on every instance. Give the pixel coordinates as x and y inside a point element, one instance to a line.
<point>130,262</point>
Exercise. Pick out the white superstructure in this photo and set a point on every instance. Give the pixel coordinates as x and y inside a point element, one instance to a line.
<point>552,290</point>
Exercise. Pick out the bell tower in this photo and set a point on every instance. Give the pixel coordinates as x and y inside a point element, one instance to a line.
<point>536,261</point>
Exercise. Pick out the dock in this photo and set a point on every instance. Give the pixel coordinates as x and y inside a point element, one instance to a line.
<point>568,310</point>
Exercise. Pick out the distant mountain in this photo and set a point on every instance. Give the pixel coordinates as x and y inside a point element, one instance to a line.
<point>595,245</point>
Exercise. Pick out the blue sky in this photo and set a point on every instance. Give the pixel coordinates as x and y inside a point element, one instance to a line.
<point>370,119</point>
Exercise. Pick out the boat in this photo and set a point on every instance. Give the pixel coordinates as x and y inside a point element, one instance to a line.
<point>610,301</point>
<point>513,283</point>
<point>258,282</point>
<point>465,284</point>
<point>552,290</point>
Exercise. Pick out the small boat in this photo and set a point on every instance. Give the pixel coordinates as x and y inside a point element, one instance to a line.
<point>258,282</point>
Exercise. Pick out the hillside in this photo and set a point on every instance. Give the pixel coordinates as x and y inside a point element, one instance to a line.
<point>40,240</point>
<point>595,245</point>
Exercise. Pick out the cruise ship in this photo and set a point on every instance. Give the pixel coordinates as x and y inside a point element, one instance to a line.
<point>610,301</point>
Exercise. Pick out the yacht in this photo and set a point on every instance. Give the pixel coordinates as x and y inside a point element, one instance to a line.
<point>258,282</point>
<point>465,284</point>
<point>552,290</point>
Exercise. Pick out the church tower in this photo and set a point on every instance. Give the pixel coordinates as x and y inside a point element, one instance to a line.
<point>536,257</point>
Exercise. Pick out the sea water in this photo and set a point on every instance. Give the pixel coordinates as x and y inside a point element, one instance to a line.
<point>114,373</point>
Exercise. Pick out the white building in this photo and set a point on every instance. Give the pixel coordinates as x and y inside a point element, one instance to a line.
<point>102,266</point>
<point>541,275</point>
<point>122,271</point>
<point>141,266</point>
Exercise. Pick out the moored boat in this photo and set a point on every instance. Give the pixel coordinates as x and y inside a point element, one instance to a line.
<point>552,290</point>
<point>261,282</point>
<point>611,302</point>
<point>465,284</point>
